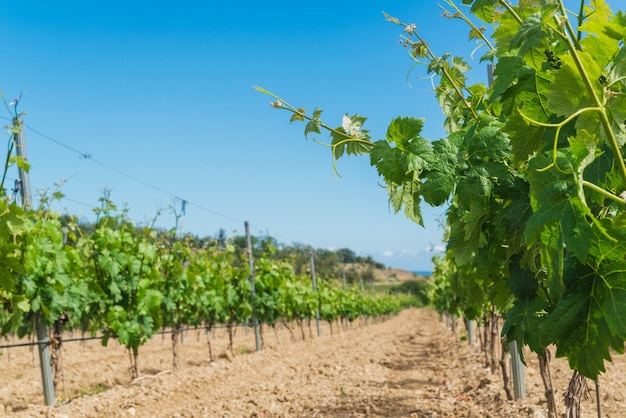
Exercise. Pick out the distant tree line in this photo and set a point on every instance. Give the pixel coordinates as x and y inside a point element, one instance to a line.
<point>329,264</point>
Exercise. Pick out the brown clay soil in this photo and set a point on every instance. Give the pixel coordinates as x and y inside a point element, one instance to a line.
<point>408,366</point>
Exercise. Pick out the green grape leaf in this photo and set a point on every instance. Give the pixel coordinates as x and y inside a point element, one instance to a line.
<point>552,256</point>
<point>21,303</point>
<point>521,282</point>
<point>583,149</point>
<point>555,199</point>
<point>386,160</point>
<point>437,187</point>
<point>487,142</point>
<point>403,165</point>
<point>474,220</point>
<point>511,217</point>
<point>9,266</point>
<point>296,117</point>
<point>581,324</point>
<point>584,346</point>
<point>522,322</point>
<point>525,139</point>
<point>313,126</point>
<point>614,302</point>
<point>406,195</point>
<point>474,188</point>
<point>486,148</point>
<point>404,130</point>
<point>531,41</point>
<point>568,93</point>
<point>483,9</point>
<point>616,109</point>
<point>510,68</point>
<point>462,246</point>
<point>441,179</point>
<point>532,4</point>
<point>527,97</point>
<point>22,163</point>
<point>504,33</point>
<point>459,66</point>
<point>599,173</point>
<point>350,138</point>
<point>618,68</point>
<point>603,34</point>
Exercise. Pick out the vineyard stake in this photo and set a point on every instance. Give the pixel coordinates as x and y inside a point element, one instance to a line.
<point>44,362</point>
<point>517,368</point>
<point>598,398</point>
<point>362,291</point>
<point>257,334</point>
<point>317,312</point>
<point>42,329</point>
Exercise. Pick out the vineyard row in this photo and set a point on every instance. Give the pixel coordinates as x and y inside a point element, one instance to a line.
<point>126,282</point>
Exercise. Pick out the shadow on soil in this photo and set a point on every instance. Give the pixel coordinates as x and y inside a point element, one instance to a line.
<point>387,407</point>
<point>410,369</point>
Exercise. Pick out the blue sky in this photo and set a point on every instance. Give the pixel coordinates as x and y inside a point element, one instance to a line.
<point>160,97</point>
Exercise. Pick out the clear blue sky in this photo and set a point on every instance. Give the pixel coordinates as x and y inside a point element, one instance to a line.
<point>162,93</point>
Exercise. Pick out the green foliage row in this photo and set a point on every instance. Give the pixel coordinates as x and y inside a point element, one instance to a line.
<point>126,282</point>
<point>328,263</point>
<point>532,172</point>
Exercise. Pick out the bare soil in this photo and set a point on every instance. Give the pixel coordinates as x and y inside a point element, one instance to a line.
<point>408,366</point>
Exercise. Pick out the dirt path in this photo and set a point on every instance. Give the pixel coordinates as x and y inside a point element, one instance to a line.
<point>409,366</point>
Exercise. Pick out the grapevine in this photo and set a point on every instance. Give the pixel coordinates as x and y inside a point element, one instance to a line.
<point>532,173</point>
<point>120,280</point>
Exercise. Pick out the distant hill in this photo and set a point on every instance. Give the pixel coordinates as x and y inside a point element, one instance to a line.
<point>385,276</point>
<point>391,275</point>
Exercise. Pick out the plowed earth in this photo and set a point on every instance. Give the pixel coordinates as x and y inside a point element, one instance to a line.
<point>411,365</point>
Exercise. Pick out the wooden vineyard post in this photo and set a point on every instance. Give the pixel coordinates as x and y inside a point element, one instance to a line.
<point>598,398</point>
<point>41,328</point>
<point>470,332</point>
<point>257,334</point>
<point>317,311</point>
